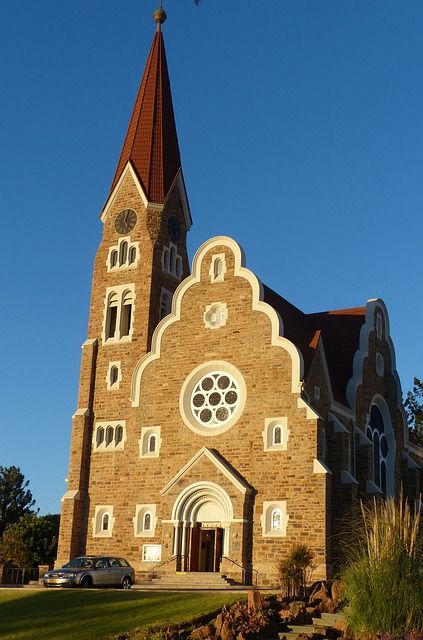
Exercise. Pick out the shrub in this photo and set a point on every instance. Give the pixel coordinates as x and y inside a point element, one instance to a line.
<point>383,577</point>
<point>293,570</point>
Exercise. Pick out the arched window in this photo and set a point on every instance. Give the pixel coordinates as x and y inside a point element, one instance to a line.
<point>132,255</point>
<point>178,266</point>
<point>152,443</point>
<point>118,435</point>
<point>100,436</point>
<point>105,522</point>
<point>146,525</point>
<point>112,309</point>
<point>126,315</point>
<point>109,435</point>
<point>113,258</point>
<point>123,253</point>
<point>276,520</point>
<point>376,434</point>
<point>166,259</point>
<point>277,434</point>
<point>172,259</point>
<point>114,375</point>
<point>217,268</point>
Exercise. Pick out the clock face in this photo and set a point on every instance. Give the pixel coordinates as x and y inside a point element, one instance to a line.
<point>125,221</point>
<point>174,228</point>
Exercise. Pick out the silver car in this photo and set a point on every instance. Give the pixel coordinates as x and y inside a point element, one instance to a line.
<point>92,571</point>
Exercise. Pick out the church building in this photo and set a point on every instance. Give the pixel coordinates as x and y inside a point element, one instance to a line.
<point>217,425</point>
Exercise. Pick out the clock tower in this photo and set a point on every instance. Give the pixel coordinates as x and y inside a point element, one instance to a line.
<point>141,260</point>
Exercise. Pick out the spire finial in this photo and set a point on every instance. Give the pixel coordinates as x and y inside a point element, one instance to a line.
<point>160,15</point>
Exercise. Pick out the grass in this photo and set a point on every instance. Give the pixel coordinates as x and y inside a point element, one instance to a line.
<point>96,614</point>
<point>383,579</point>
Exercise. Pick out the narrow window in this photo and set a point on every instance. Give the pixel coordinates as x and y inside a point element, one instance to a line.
<point>113,258</point>
<point>99,437</point>
<point>217,268</point>
<point>172,260</point>
<point>126,315</point>
<point>165,303</point>
<point>277,435</point>
<point>118,435</point>
<point>152,443</point>
<point>123,253</point>
<point>132,255</point>
<point>147,521</point>
<point>105,520</point>
<point>178,266</point>
<point>276,520</point>
<point>111,315</point>
<point>166,259</point>
<point>114,375</point>
<point>109,435</point>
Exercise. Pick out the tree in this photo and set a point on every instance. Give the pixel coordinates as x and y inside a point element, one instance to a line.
<point>31,541</point>
<point>414,409</point>
<point>15,498</point>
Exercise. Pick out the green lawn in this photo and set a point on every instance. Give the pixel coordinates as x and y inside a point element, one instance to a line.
<point>96,614</point>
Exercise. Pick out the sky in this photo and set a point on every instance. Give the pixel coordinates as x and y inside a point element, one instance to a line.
<point>300,128</point>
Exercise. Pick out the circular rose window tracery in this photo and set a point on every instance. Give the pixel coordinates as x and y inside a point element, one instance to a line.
<point>215,398</point>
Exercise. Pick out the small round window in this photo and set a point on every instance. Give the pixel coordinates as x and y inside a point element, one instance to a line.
<point>212,398</point>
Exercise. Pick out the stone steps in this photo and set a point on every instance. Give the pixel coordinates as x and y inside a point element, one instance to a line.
<point>187,581</point>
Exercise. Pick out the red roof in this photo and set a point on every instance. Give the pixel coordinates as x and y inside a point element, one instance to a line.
<point>339,331</point>
<point>151,143</point>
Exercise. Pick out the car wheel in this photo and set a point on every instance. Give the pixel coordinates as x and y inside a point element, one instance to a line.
<point>86,582</point>
<point>126,583</point>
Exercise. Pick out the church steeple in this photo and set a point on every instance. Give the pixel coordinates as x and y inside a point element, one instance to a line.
<point>151,143</point>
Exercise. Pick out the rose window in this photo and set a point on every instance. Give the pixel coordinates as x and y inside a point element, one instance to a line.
<point>215,398</point>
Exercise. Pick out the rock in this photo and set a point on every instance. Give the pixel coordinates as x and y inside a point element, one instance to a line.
<point>296,606</point>
<point>286,616</point>
<point>202,633</point>
<point>255,602</point>
<point>226,632</point>
<point>218,623</point>
<point>336,591</point>
<point>319,593</point>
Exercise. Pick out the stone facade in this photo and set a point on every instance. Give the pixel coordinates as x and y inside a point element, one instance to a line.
<point>216,434</point>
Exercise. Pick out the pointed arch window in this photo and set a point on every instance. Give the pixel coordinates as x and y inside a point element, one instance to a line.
<point>113,258</point>
<point>144,520</point>
<point>126,314</point>
<point>109,436</point>
<point>118,435</point>
<point>376,433</point>
<point>123,253</point>
<point>99,436</point>
<point>114,375</point>
<point>112,309</point>
<point>172,261</point>
<point>132,255</point>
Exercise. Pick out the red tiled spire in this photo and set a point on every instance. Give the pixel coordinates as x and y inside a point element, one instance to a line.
<point>151,143</point>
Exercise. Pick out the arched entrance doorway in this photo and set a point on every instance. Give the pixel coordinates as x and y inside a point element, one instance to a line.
<point>202,514</point>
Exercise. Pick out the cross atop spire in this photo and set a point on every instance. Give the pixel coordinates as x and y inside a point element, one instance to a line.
<point>151,143</point>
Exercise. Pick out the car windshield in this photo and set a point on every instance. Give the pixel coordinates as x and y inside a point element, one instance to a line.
<point>76,563</point>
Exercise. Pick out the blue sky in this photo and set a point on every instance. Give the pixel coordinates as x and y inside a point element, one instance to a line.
<point>300,126</point>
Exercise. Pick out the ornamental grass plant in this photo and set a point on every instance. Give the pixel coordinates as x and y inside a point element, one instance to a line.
<point>383,576</point>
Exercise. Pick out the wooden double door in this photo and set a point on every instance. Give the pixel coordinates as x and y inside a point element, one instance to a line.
<point>205,549</point>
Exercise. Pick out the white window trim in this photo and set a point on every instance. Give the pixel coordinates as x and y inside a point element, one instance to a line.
<point>115,386</point>
<point>126,264</point>
<point>112,446</point>
<point>119,290</point>
<point>140,511</point>
<point>97,521</point>
<point>143,442</point>
<point>269,507</point>
<point>267,434</point>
